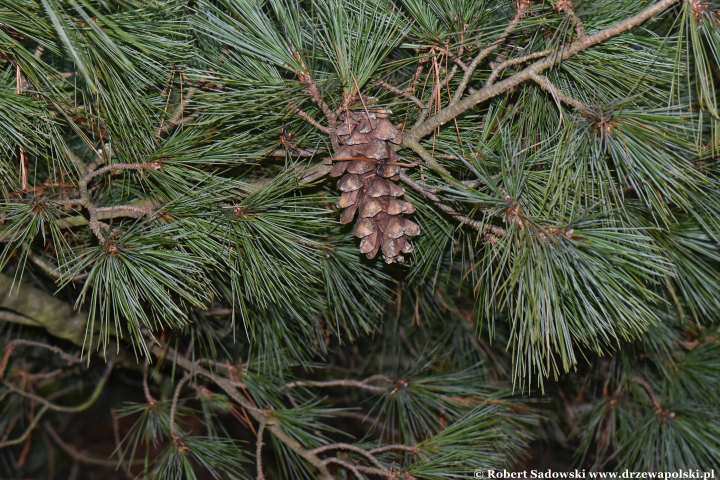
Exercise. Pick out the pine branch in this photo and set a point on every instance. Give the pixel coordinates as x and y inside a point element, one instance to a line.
<point>460,106</point>
<point>259,415</point>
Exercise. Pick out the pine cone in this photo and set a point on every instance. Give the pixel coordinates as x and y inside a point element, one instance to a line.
<point>369,168</point>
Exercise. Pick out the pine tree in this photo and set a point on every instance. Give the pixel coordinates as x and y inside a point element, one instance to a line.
<point>401,239</point>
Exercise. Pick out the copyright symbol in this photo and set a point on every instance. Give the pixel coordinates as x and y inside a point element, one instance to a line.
<point>479,474</point>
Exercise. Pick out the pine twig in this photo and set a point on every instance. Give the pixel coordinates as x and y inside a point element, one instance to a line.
<point>480,226</point>
<point>358,470</point>
<point>346,465</point>
<point>484,53</point>
<point>24,162</point>
<point>314,92</point>
<point>258,451</point>
<point>560,97</point>
<point>74,453</point>
<point>568,8</point>
<point>394,447</point>
<point>359,384</point>
<point>146,386</point>
<point>63,408</point>
<point>12,345</point>
<point>498,69</point>
<point>28,431</point>
<point>173,412</point>
<point>402,93</point>
<point>657,406</point>
<point>350,448</point>
<point>178,116</point>
<point>305,116</point>
<point>116,167</point>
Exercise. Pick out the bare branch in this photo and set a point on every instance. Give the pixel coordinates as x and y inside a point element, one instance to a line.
<point>123,211</point>
<point>348,466</point>
<point>173,411</point>
<point>396,447</point>
<point>12,345</point>
<point>178,118</point>
<point>146,386</point>
<point>358,470</point>
<point>24,162</point>
<point>31,427</point>
<point>350,448</point>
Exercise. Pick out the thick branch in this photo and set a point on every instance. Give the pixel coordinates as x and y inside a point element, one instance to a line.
<point>40,309</point>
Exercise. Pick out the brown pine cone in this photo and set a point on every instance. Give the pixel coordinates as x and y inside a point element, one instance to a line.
<point>369,168</point>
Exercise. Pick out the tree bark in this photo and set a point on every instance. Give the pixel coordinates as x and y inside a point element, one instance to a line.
<point>24,304</point>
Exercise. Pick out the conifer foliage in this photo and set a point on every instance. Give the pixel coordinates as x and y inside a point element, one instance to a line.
<point>401,239</point>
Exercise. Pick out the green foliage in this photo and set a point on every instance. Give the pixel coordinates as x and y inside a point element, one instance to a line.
<point>175,191</point>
